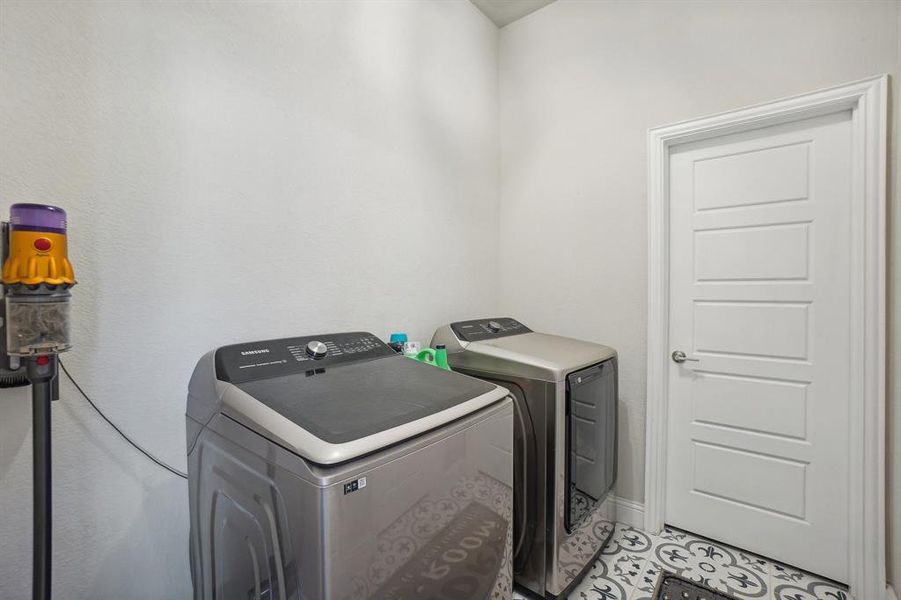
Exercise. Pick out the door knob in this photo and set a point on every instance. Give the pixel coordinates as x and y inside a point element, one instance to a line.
<point>680,357</point>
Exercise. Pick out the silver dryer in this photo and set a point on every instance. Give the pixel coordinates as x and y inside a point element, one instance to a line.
<point>565,392</point>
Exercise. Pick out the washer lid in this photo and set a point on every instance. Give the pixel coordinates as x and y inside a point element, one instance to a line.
<point>334,410</point>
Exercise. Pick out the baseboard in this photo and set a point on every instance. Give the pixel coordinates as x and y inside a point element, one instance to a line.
<point>890,593</point>
<point>630,512</point>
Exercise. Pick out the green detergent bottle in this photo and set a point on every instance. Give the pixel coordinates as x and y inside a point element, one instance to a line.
<point>437,357</point>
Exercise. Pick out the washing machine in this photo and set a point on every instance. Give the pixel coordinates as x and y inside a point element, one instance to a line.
<point>565,436</point>
<point>329,467</point>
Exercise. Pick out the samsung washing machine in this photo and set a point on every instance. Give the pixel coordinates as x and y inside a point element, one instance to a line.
<point>565,437</point>
<point>331,468</point>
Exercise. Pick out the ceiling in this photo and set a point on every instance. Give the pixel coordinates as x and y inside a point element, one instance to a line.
<point>504,12</point>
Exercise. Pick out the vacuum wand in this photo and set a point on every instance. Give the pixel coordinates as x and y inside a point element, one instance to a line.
<point>41,374</point>
<point>37,277</point>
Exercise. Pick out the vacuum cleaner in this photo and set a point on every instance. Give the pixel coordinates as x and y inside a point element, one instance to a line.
<point>37,277</point>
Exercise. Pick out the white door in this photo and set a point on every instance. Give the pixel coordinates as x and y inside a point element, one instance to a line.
<point>760,247</point>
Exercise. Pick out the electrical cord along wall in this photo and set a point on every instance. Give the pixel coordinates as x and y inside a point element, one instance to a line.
<point>137,446</point>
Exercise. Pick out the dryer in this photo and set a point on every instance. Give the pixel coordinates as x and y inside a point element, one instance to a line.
<point>565,438</point>
<point>329,467</point>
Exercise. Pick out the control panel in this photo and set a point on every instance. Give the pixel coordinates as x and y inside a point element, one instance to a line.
<point>274,358</point>
<point>486,329</point>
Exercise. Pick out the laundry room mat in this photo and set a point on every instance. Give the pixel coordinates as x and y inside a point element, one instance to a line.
<point>673,587</point>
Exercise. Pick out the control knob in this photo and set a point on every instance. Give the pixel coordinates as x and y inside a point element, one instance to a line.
<point>494,326</point>
<point>317,349</point>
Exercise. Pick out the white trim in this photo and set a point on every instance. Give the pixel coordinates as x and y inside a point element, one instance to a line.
<point>629,512</point>
<point>890,593</point>
<point>868,101</point>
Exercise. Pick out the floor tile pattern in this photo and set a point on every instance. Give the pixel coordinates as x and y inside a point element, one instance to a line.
<point>629,567</point>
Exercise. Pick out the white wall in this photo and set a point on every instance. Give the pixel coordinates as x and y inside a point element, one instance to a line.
<point>580,83</point>
<point>232,171</point>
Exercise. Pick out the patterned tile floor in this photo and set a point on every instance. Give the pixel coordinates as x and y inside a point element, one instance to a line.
<point>630,564</point>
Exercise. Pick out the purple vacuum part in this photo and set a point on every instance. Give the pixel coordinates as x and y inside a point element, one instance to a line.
<point>37,217</point>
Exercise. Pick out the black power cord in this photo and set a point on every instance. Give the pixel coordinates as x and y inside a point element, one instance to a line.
<point>137,446</point>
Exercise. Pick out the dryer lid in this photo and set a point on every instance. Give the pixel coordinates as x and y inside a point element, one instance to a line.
<point>504,347</point>
<point>360,397</point>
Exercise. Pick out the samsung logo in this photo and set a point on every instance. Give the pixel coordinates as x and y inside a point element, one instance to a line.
<point>261,351</point>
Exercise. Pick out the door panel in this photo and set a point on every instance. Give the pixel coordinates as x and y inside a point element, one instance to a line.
<point>751,403</point>
<point>752,177</point>
<point>748,253</point>
<point>759,296</point>
<point>777,330</point>
<point>733,475</point>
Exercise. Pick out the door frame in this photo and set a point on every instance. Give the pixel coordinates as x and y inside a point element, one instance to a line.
<point>868,101</point>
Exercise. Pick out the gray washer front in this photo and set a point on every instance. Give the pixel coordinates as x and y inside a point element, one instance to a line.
<point>329,467</point>
<point>565,436</point>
